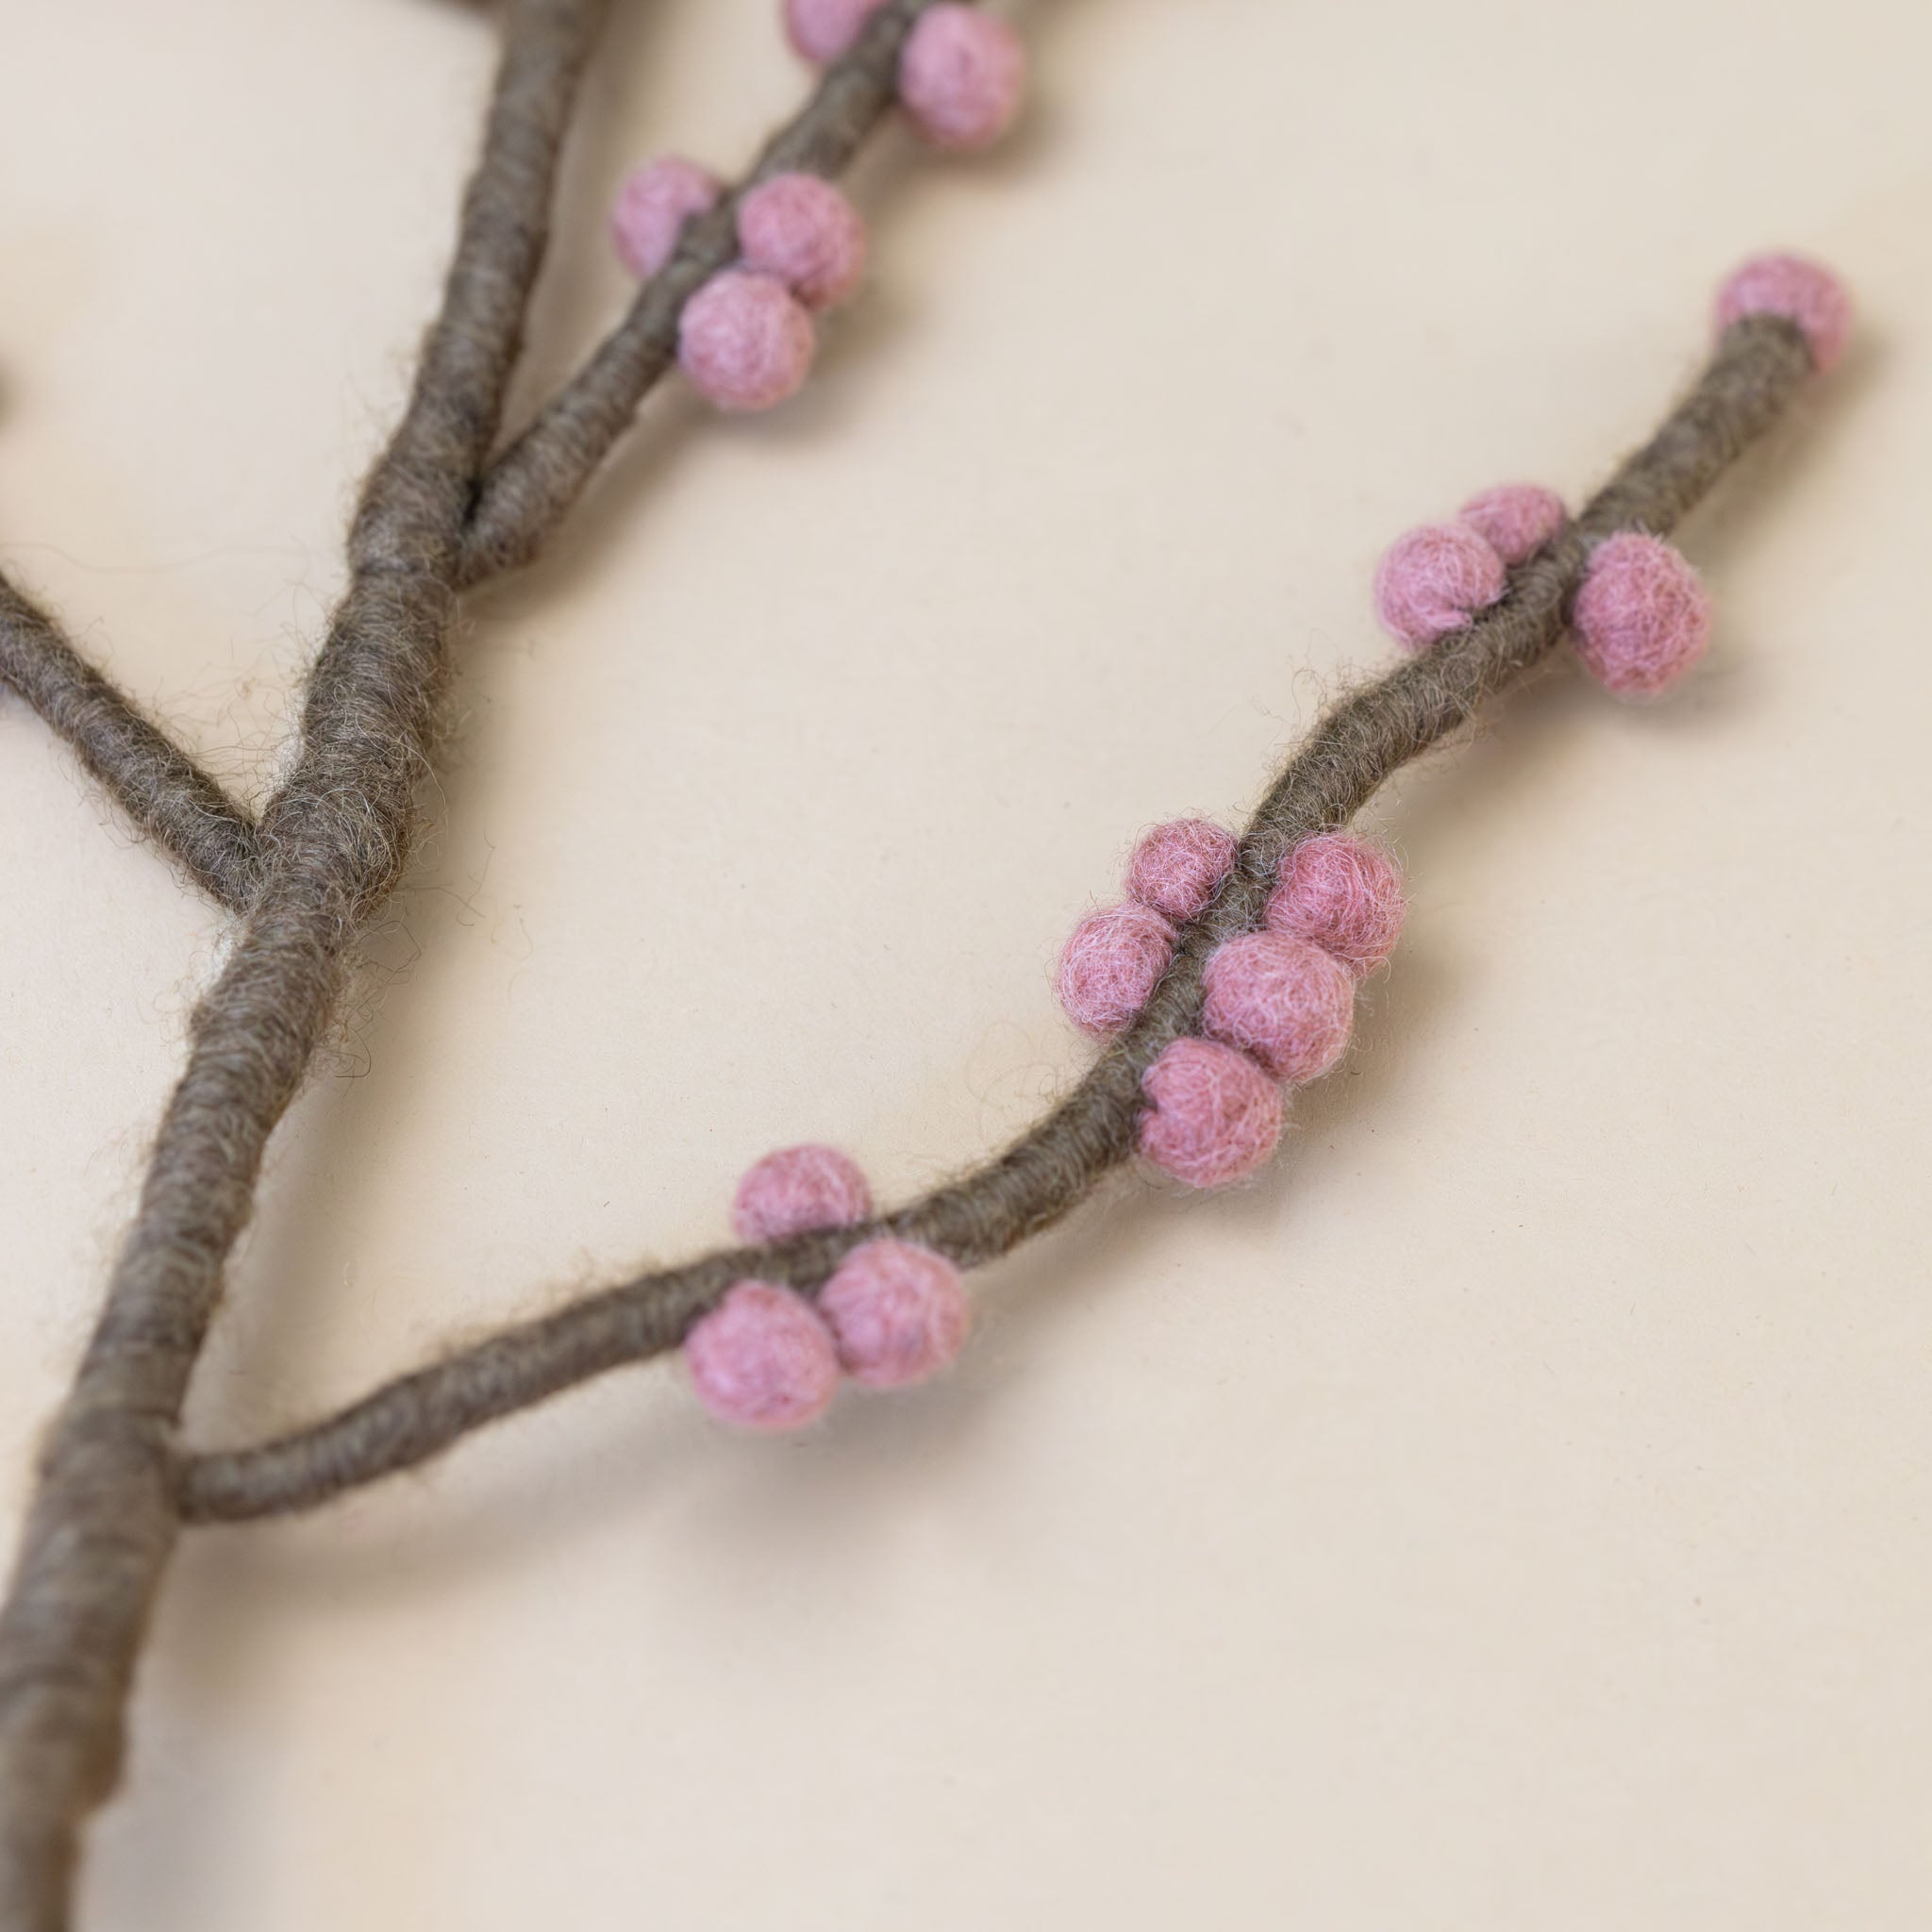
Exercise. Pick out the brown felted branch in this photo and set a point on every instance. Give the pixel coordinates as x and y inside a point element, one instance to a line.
<point>101,1520</point>
<point>163,792</point>
<point>516,503</point>
<point>1358,744</point>
<point>537,479</point>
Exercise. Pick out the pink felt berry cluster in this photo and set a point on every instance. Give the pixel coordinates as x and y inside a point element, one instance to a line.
<point>892,1312</point>
<point>1641,618</point>
<point>1435,580</point>
<point>746,338</point>
<point>1277,1006</point>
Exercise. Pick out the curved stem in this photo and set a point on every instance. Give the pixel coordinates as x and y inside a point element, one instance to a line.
<point>528,488</point>
<point>163,792</point>
<point>1361,742</point>
<point>103,1518</point>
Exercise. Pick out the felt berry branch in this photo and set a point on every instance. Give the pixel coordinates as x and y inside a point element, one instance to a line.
<point>1228,971</point>
<point>960,73</point>
<point>1230,968</point>
<point>442,511</point>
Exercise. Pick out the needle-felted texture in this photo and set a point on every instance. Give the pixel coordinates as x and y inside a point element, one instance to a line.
<point>1760,364</point>
<point>1433,580</point>
<point>1213,1116</point>
<point>1178,867</point>
<point>824,30</point>
<point>1113,959</point>
<point>794,1190</point>
<point>1516,519</point>
<point>1345,893</point>
<point>762,1359</point>
<point>442,510</point>
<point>807,234</point>
<point>1800,291</point>
<point>1285,1002</point>
<point>1642,618</point>
<point>745,341</point>
<point>898,1312</point>
<point>961,77</point>
<point>164,792</point>
<point>653,206</point>
<point>530,486</point>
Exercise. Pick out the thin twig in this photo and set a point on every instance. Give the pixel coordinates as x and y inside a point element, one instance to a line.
<point>163,792</point>
<point>1759,366</point>
<point>103,1518</point>
<point>529,488</point>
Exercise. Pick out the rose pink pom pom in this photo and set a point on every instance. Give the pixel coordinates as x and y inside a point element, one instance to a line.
<point>797,1189</point>
<point>762,1359</point>
<point>1178,868</point>
<point>1642,618</point>
<point>1285,1002</point>
<point>807,234</point>
<point>1433,580</point>
<point>960,73</point>
<point>1343,894</point>
<point>744,342</point>
<point>1802,291</point>
<point>1215,1116</point>
<point>652,207</point>
<point>824,30</point>
<point>1112,961</point>
<point>899,1313</point>
<point>1515,520</point>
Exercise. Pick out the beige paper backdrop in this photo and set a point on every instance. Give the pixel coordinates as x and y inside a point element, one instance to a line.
<point>1513,1512</point>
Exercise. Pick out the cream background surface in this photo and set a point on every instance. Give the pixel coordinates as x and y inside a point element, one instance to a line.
<point>1513,1512</point>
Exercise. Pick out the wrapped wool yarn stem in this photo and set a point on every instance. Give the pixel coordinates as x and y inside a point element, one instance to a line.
<point>531,485</point>
<point>442,511</point>
<point>521,496</point>
<point>1760,365</point>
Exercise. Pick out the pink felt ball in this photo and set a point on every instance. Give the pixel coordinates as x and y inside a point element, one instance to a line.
<point>1515,520</point>
<point>1178,868</point>
<point>1285,1002</point>
<point>744,342</point>
<point>1642,618</point>
<point>1214,1116</point>
<point>960,73</point>
<point>824,30</point>
<point>652,207</point>
<point>1343,894</point>
<point>1112,961</point>
<point>807,234</point>
<point>1433,580</point>
<point>1802,291</point>
<point>898,1312</point>
<point>762,1358</point>
<point>797,1189</point>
